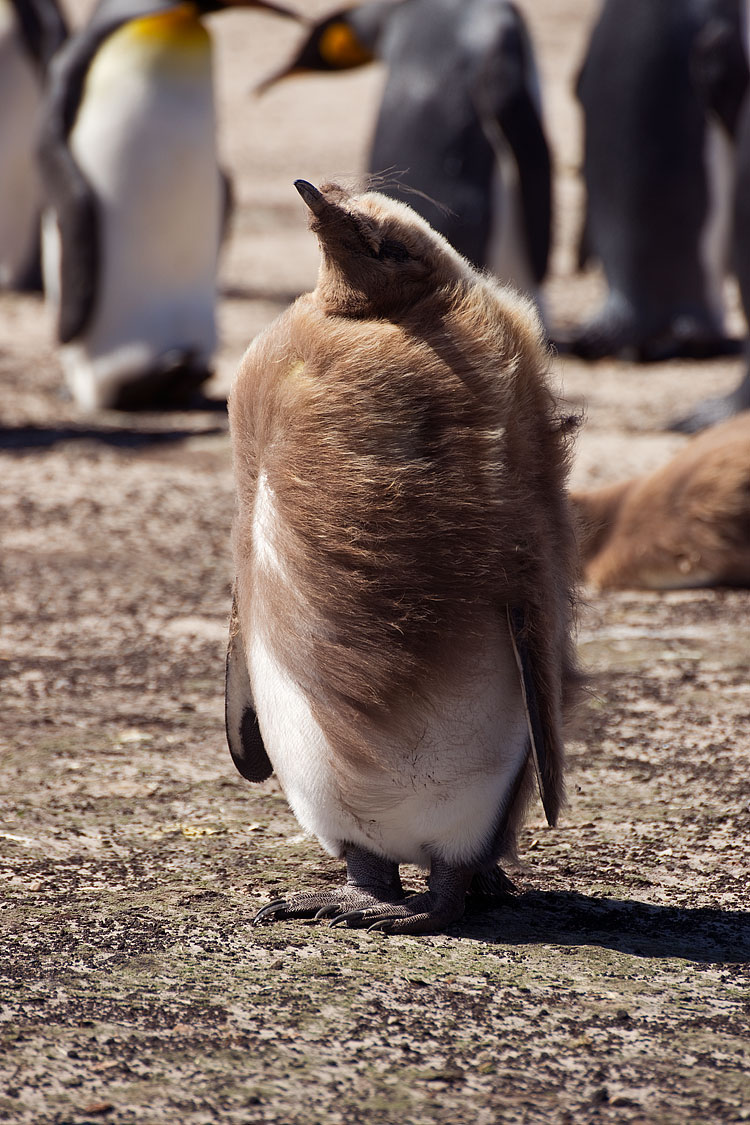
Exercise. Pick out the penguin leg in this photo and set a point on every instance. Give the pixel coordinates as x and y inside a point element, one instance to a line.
<point>425,913</point>
<point>371,883</point>
<point>171,383</point>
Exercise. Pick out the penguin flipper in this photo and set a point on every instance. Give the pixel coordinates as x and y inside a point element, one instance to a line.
<point>67,190</point>
<point>540,736</point>
<point>719,70</point>
<point>504,98</point>
<point>243,732</point>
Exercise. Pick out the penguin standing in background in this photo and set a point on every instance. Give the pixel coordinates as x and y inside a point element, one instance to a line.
<point>135,202</point>
<point>400,648</point>
<point>714,410</point>
<point>30,33</point>
<point>459,124</point>
<point>660,86</point>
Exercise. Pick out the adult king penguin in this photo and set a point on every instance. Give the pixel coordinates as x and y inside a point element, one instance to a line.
<point>136,198</point>
<point>660,86</point>
<point>400,648</point>
<point>30,32</point>
<point>714,410</point>
<point>459,124</point>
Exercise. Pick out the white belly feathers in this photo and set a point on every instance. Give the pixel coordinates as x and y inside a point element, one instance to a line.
<point>429,799</point>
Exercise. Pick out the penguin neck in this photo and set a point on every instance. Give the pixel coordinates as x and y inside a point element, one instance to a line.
<point>179,26</point>
<point>341,293</point>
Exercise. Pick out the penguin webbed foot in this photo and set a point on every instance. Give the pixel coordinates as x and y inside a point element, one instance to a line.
<point>317,905</point>
<point>372,883</point>
<point>427,913</point>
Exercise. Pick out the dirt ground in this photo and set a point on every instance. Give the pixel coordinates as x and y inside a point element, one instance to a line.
<point>132,986</point>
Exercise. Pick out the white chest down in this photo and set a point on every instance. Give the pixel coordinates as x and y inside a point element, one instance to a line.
<point>440,795</point>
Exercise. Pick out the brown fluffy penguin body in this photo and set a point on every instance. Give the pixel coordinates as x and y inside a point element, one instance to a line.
<point>686,524</point>
<point>404,561</point>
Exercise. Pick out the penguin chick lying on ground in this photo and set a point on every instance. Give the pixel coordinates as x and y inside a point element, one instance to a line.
<point>400,650</point>
<point>687,524</point>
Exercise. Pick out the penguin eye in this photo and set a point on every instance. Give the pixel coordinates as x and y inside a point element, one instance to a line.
<point>393,251</point>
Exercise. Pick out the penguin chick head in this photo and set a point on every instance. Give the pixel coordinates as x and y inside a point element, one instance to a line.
<point>379,257</point>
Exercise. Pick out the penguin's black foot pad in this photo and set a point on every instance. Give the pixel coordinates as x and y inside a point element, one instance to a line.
<point>322,904</point>
<point>427,913</point>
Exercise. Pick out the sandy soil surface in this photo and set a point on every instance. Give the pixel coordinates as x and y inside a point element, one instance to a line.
<point>133,857</point>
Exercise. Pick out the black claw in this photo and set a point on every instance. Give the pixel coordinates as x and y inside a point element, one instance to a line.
<point>382,926</point>
<point>326,911</point>
<point>350,915</point>
<point>270,908</point>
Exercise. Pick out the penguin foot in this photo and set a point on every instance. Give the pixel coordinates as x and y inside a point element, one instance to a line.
<point>711,411</point>
<point>617,332</point>
<point>339,903</point>
<point>171,383</point>
<point>372,883</point>
<point>492,884</point>
<point>426,913</point>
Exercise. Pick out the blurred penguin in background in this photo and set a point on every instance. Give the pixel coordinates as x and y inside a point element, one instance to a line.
<point>713,410</point>
<point>136,200</point>
<point>661,87</point>
<point>459,126</point>
<point>30,33</point>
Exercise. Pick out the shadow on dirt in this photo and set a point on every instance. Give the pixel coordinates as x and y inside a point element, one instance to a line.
<point>639,928</point>
<point>23,439</point>
<point>256,293</point>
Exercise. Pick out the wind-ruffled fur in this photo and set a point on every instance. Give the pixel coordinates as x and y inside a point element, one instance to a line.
<point>413,475</point>
<point>685,524</point>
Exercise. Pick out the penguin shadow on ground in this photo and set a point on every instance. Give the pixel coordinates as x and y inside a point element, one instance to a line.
<point>281,297</point>
<point>28,438</point>
<point>643,929</point>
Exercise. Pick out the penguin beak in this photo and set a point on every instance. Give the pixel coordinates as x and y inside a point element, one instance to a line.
<point>314,199</point>
<point>277,76</point>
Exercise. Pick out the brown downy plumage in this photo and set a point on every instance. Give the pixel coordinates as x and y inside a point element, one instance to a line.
<point>401,486</point>
<point>686,524</point>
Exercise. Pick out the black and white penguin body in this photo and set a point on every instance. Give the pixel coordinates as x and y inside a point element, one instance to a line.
<point>716,410</point>
<point>404,564</point>
<point>136,199</point>
<point>459,134</point>
<point>659,85</point>
<point>30,32</point>
<point>461,113</point>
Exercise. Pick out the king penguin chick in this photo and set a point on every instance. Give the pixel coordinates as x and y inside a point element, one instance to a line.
<point>131,238</point>
<point>30,33</point>
<point>459,122</point>
<point>400,648</point>
<point>660,88</point>
<point>687,524</point>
